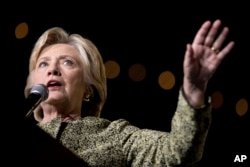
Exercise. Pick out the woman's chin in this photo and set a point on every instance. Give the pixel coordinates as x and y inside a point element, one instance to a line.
<point>56,98</point>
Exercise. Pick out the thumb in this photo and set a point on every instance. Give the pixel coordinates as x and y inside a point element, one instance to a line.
<point>188,57</point>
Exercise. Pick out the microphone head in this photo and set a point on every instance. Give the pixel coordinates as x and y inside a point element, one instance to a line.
<point>41,90</point>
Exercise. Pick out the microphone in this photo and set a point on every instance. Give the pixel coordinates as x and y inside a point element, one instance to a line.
<point>38,93</point>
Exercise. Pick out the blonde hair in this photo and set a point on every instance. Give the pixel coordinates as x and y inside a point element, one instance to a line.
<point>93,68</point>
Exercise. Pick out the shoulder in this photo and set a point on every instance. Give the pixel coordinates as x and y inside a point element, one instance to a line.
<point>118,125</point>
<point>103,122</point>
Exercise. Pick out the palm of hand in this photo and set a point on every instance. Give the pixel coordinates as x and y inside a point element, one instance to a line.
<point>203,57</point>
<point>204,64</point>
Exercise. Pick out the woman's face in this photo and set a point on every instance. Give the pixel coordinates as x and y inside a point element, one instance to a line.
<point>59,68</point>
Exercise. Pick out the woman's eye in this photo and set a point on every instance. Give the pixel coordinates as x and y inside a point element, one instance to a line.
<point>42,64</point>
<point>68,62</point>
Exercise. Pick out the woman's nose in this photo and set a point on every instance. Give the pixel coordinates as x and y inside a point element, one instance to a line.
<point>54,71</point>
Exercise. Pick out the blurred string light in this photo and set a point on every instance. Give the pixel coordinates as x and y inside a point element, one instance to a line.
<point>21,30</point>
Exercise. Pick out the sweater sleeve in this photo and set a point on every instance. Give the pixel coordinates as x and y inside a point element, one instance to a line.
<point>183,145</point>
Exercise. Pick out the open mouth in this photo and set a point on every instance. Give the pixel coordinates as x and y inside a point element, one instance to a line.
<point>53,84</point>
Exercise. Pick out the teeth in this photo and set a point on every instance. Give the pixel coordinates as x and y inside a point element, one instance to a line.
<point>53,83</point>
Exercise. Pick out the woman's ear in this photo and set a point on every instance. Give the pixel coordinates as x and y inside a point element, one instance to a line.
<point>88,94</point>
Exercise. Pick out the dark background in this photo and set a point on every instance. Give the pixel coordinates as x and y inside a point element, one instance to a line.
<point>153,34</point>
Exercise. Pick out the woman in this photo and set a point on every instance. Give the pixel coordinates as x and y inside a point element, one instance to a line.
<point>72,69</point>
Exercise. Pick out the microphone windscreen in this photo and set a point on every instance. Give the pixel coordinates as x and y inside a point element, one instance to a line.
<point>41,90</point>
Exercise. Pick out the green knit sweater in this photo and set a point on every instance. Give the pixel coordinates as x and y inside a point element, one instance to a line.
<point>100,142</point>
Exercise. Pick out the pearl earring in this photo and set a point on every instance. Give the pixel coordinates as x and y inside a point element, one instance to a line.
<point>86,97</point>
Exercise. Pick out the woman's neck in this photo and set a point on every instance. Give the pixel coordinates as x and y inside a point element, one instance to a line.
<point>70,117</point>
<point>51,112</point>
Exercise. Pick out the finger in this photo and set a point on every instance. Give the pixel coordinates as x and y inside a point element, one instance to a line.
<point>202,33</point>
<point>221,38</point>
<point>212,33</point>
<point>188,56</point>
<point>226,50</point>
